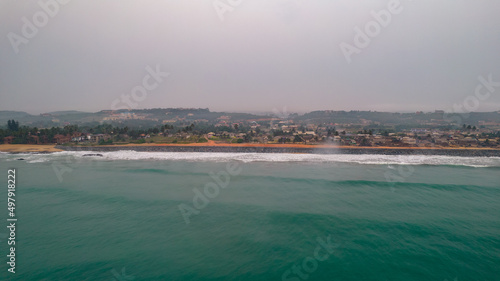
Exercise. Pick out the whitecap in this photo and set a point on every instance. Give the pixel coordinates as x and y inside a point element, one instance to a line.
<point>364,159</point>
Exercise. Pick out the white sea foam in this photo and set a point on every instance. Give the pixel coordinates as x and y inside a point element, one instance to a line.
<point>369,159</point>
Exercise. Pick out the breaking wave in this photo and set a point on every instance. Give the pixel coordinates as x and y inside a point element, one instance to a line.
<point>368,159</point>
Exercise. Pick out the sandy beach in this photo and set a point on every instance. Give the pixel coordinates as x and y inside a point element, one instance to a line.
<point>17,148</point>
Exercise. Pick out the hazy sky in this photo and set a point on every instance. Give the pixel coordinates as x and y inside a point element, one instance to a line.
<point>263,55</point>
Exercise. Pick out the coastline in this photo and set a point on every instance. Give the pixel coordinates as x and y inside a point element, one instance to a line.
<point>290,148</point>
<point>257,148</point>
<point>28,148</point>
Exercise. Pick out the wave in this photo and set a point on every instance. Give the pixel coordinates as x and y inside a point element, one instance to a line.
<point>373,183</point>
<point>365,159</point>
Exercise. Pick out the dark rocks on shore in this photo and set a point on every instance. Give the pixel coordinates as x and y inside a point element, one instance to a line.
<point>311,150</point>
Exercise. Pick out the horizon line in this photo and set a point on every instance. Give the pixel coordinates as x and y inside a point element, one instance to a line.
<point>252,111</point>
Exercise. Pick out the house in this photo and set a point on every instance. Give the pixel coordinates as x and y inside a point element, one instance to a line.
<point>99,137</point>
<point>308,137</point>
<point>8,140</point>
<point>224,134</point>
<point>409,140</point>
<point>467,141</point>
<point>311,127</point>
<point>79,138</point>
<point>60,139</point>
<point>444,142</point>
<point>33,139</point>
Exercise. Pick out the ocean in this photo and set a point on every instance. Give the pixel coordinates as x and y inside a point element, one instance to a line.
<point>234,216</point>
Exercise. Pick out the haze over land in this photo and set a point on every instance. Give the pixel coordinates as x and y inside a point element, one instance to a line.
<point>264,55</point>
<point>203,116</point>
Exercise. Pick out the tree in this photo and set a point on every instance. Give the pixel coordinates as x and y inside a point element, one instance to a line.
<point>297,138</point>
<point>13,125</point>
<point>104,142</point>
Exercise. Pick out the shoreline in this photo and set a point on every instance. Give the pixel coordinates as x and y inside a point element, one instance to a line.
<point>29,148</point>
<point>257,148</point>
<point>290,148</point>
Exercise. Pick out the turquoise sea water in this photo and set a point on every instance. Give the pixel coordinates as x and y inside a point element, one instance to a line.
<point>281,217</point>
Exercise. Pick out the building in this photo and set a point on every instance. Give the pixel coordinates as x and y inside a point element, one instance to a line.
<point>60,139</point>
<point>33,139</point>
<point>8,140</point>
<point>99,137</point>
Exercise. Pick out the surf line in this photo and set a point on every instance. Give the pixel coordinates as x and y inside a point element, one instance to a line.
<point>11,207</point>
